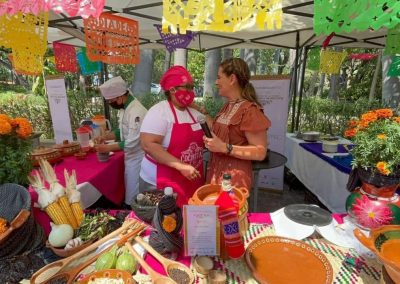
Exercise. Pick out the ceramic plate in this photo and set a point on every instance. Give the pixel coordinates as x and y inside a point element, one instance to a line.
<point>277,260</point>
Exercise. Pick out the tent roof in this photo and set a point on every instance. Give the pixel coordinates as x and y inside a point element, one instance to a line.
<point>297,21</point>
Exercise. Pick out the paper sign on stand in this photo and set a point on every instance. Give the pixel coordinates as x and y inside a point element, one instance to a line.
<point>201,230</point>
<point>273,94</point>
<point>57,96</point>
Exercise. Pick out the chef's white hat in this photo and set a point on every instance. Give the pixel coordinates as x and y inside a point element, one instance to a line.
<point>113,88</point>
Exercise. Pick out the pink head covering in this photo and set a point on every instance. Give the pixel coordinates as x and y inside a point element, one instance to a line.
<point>175,76</point>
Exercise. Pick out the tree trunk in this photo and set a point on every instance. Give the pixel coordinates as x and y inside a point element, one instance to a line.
<point>390,85</point>
<point>334,81</point>
<point>277,59</point>
<point>143,71</point>
<point>227,53</point>
<point>250,56</point>
<point>180,57</point>
<point>167,61</point>
<point>375,78</point>
<point>212,59</point>
<point>321,85</point>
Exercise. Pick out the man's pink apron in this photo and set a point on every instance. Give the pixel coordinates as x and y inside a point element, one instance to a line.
<point>187,145</point>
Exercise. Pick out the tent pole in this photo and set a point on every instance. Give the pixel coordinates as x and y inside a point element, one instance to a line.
<point>104,74</point>
<point>295,81</point>
<point>303,70</point>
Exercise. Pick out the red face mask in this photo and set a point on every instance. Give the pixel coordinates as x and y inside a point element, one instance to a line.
<point>184,97</point>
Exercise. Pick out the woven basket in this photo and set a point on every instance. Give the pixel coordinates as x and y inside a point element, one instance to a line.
<point>145,213</point>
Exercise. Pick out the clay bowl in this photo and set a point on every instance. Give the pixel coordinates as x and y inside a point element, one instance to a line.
<point>67,252</point>
<point>207,194</point>
<point>385,243</point>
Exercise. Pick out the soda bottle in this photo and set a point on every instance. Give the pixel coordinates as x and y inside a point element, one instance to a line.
<point>228,216</point>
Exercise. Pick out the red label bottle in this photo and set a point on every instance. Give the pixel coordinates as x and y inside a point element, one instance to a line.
<point>228,216</point>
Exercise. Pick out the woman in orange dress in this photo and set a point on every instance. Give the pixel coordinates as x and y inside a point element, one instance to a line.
<point>239,129</point>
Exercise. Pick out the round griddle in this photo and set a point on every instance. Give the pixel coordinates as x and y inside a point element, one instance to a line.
<point>307,214</point>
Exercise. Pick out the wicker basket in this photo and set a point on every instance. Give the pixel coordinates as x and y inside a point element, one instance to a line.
<point>145,213</point>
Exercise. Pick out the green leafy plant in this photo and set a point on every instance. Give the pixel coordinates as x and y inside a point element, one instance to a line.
<point>376,135</point>
<point>15,148</point>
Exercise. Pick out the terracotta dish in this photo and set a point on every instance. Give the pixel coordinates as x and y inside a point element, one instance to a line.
<point>385,243</point>
<point>109,274</point>
<point>278,260</point>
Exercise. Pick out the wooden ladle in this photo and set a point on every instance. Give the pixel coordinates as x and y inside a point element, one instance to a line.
<point>71,274</point>
<point>168,264</point>
<point>156,277</point>
<point>51,269</point>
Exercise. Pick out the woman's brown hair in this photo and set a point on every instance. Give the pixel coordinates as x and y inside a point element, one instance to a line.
<point>241,70</point>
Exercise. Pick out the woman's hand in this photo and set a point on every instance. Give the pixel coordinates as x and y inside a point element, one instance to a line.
<point>214,144</point>
<point>188,171</point>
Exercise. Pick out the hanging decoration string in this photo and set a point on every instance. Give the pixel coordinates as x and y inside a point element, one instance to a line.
<point>392,46</point>
<point>112,39</point>
<point>83,8</point>
<point>65,56</point>
<point>347,16</point>
<point>220,15</point>
<point>174,41</point>
<point>29,47</point>
<point>87,67</point>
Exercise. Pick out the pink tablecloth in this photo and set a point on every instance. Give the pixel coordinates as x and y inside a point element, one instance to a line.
<point>107,178</point>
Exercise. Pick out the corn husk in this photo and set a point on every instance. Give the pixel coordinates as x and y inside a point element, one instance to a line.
<point>45,196</point>
<point>74,196</point>
<point>51,177</point>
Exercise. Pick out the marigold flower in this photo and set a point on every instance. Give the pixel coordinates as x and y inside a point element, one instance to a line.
<point>5,117</point>
<point>23,127</point>
<point>352,123</point>
<point>397,119</point>
<point>349,133</point>
<point>5,127</point>
<point>370,116</point>
<point>382,168</point>
<point>381,136</point>
<point>384,113</point>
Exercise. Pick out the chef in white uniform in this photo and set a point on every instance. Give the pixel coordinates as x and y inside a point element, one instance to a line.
<point>131,114</point>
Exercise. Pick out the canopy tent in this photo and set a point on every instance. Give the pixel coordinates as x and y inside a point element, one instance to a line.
<point>297,29</point>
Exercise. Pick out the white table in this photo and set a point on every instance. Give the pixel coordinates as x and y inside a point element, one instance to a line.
<point>320,177</point>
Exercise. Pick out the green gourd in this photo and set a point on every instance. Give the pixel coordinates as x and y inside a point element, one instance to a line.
<point>126,262</point>
<point>107,260</point>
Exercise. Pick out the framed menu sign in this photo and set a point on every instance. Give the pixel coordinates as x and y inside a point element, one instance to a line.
<point>201,229</point>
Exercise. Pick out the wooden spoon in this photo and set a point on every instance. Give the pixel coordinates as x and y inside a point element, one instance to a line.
<point>71,274</point>
<point>168,264</point>
<point>51,269</point>
<point>156,277</point>
<point>16,223</point>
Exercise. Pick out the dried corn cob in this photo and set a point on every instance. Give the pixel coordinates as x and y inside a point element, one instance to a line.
<point>66,208</point>
<point>56,214</point>
<point>78,212</point>
<point>74,196</point>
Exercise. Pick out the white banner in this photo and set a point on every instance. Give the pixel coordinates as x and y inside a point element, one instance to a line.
<point>57,95</point>
<point>273,94</point>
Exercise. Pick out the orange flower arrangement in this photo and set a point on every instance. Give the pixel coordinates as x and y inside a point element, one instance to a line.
<point>376,136</point>
<point>15,149</point>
